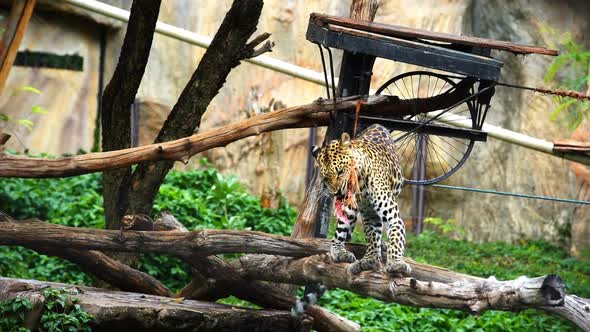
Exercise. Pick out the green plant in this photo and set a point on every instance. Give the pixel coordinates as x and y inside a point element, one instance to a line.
<point>570,70</point>
<point>6,120</point>
<point>61,313</point>
<point>12,314</point>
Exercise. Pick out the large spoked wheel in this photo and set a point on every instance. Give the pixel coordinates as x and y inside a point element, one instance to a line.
<point>428,158</point>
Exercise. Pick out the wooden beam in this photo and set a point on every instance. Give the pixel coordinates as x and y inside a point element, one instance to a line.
<point>20,14</point>
<point>411,33</point>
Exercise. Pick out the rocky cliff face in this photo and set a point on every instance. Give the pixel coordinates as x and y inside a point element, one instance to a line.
<point>493,165</point>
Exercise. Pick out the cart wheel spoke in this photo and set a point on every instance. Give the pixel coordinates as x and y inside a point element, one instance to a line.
<point>439,156</point>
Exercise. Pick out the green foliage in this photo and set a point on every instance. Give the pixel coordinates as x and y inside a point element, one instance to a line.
<point>12,314</point>
<point>61,313</point>
<point>199,199</point>
<point>7,120</point>
<point>570,70</point>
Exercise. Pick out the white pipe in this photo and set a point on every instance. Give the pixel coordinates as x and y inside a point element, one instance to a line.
<point>511,137</point>
<point>201,41</point>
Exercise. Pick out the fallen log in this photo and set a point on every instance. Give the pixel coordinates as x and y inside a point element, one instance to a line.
<point>426,286</point>
<point>122,311</point>
<point>474,296</point>
<point>310,115</point>
<point>103,267</point>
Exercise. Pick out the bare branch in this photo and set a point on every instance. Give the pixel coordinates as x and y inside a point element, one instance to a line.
<point>252,52</point>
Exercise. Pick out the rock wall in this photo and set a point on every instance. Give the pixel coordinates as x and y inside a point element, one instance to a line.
<point>493,165</point>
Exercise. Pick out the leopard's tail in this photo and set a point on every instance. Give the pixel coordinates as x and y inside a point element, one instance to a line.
<point>311,296</point>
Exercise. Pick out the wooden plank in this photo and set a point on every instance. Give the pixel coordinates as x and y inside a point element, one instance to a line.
<point>405,51</point>
<point>411,33</point>
<point>18,20</point>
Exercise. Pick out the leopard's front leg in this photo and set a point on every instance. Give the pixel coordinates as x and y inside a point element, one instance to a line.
<point>396,233</point>
<point>344,229</point>
<point>372,258</point>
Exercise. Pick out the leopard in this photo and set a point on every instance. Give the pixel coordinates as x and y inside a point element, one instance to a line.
<point>373,157</point>
<point>372,163</point>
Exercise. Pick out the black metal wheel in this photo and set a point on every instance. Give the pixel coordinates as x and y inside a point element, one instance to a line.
<point>428,158</point>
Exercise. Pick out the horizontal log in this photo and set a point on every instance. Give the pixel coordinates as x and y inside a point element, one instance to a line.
<point>104,267</point>
<point>426,286</point>
<point>310,115</point>
<point>121,311</point>
<point>198,242</point>
<point>186,245</point>
<point>475,296</point>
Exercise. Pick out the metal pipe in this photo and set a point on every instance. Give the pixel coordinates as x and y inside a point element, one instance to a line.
<point>511,137</point>
<point>201,41</point>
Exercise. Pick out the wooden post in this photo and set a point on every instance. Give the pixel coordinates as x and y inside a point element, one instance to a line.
<point>355,77</point>
<point>18,20</point>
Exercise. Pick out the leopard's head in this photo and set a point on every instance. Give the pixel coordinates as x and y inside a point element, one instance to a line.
<point>334,161</point>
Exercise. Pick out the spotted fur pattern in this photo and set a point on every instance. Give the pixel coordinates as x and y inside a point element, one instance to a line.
<point>379,175</point>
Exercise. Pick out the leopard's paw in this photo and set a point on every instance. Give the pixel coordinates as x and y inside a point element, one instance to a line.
<point>342,256</point>
<point>363,265</point>
<point>397,267</point>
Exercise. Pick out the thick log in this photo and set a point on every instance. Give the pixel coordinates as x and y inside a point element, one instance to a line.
<point>121,311</point>
<point>310,115</point>
<point>545,293</point>
<point>426,286</point>
<point>104,267</point>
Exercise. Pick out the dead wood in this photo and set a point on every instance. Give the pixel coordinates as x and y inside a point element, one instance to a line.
<point>426,286</point>
<point>473,295</point>
<point>103,267</point>
<point>122,311</point>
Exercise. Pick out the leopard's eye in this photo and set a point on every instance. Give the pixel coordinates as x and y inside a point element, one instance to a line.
<point>340,172</point>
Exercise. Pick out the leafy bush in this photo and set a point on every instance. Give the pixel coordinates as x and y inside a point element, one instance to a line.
<point>61,313</point>
<point>569,70</point>
<point>206,199</point>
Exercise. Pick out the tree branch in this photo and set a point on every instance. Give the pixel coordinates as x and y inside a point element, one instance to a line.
<point>310,115</point>
<point>103,267</point>
<point>120,311</point>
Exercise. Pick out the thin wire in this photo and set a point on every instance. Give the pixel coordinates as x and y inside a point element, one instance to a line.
<point>513,194</point>
<point>325,71</point>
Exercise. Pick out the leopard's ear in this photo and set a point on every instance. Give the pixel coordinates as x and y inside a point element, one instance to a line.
<point>345,139</point>
<point>315,150</point>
